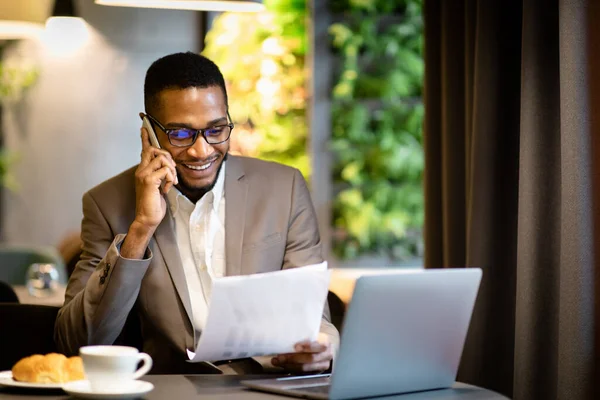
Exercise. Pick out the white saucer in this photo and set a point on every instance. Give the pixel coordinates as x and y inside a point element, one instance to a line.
<point>7,380</point>
<point>83,390</point>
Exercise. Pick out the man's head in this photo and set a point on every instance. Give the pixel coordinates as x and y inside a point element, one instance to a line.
<point>187,90</point>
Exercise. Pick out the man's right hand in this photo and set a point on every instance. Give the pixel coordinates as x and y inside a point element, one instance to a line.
<point>155,167</point>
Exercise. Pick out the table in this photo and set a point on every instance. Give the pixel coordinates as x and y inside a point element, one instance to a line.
<point>222,387</point>
<point>56,299</point>
<point>343,279</point>
<point>342,284</point>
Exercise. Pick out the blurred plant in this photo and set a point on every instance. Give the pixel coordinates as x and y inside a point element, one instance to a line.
<point>7,178</point>
<point>262,59</point>
<point>377,118</point>
<point>16,76</point>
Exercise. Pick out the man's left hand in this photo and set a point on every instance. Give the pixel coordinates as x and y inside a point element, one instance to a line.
<point>309,356</point>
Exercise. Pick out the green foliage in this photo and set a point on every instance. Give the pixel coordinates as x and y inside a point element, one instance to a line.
<point>377,119</point>
<point>14,80</point>
<point>262,59</point>
<point>7,179</point>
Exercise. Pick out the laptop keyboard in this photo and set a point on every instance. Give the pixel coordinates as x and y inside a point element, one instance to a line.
<point>321,389</point>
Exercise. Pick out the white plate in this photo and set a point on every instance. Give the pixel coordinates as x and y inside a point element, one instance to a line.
<point>83,390</point>
<point>6,379</point>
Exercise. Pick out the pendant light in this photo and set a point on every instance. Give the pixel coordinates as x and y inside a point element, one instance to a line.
<point>66,32</point>
<point>199,5</point>
<point>20,19</point>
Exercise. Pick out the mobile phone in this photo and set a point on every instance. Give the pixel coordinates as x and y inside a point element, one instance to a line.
<point>153,139</point>
<point>151,134</point>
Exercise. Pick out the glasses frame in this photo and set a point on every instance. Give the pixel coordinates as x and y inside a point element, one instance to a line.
<point>197,132</point>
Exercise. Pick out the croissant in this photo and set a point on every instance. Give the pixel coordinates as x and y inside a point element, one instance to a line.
<point>51,368</point>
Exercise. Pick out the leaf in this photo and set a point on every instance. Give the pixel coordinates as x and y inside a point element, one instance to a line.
<point>377,120</point>
<point>341,34</point>
<point>352,173</point>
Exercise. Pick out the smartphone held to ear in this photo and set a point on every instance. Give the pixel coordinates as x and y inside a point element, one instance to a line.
<point>151,134</point>
<point>153,139</point>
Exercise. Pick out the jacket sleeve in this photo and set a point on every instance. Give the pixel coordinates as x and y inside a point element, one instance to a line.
<point>103,287</point>
<point>303,245</point>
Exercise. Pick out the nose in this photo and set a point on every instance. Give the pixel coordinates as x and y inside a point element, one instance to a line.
<point>200,149</point>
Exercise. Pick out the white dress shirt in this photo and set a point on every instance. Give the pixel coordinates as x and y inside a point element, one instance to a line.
<point>200,232</point>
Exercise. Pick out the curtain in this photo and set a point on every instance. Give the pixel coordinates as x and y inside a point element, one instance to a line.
<point>509,184</point>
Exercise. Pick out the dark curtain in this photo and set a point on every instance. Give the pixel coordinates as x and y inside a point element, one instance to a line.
<point>509,183</point>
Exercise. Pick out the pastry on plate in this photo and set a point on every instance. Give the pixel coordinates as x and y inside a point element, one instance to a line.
<point>50,368</point>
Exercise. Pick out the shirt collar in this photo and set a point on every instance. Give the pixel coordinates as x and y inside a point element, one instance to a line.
<point>177,199</point>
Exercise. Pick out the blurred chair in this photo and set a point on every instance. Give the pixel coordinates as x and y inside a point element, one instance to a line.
<point>25,330</point>
<point>131,335</point>
<point>15,261</point>
<point>337,309</point>
<point>70,250</point>
<point>7,293</point>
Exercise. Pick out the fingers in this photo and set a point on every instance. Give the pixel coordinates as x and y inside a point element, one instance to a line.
<point>153,159</point>
<point>161,160</point>
<point>152,152</point>
<point>158,176</point>
<point>311,356</point>
<point>291,365</point>
<point>170,180</point>
<point>149,151</point>
<point>303,358</point>
<point>145,140</point>
<point>310,347</point>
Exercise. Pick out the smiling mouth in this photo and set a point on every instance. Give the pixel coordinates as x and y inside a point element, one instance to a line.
<point>201,167</point>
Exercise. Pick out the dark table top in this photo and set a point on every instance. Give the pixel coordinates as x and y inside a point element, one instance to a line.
<point>221,387</point>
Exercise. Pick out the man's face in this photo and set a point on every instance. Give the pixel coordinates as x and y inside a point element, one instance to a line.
<point>196,108</point>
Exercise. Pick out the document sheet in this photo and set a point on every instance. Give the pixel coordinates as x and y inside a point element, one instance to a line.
<point>263,314</point>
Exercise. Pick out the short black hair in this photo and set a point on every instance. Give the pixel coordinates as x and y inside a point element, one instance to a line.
<point>180,71</point>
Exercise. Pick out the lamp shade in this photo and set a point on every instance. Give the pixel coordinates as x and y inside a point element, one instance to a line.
<point>23,18</point>
<point>200,5</point>
<point>64,8</point>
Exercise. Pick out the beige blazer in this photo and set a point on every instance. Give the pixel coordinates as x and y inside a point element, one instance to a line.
<point>270,224</point>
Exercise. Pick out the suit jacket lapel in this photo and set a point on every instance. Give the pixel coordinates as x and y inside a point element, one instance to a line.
<point>236,190</point>
<point>167,242</point>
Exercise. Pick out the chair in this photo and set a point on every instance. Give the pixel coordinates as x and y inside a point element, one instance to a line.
<point>337,309</point>
<point>131,335</point>
<point>26,329</point>
<point>15,261</point>
<point>7,293</point>
<point>70,250</point>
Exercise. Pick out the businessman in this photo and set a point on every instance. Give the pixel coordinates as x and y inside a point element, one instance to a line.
<point>156,236</point>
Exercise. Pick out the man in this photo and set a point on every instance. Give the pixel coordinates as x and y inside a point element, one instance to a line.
<point>157,235</point>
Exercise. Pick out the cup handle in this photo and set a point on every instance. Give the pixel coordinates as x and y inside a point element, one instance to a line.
<point>146,366</point>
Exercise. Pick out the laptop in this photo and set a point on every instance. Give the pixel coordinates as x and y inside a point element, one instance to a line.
<point>402,333</point>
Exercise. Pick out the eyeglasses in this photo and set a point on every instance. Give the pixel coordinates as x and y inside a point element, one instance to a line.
<point>184,137</point>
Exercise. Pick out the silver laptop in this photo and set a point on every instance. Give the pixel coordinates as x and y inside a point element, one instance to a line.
<point>403,332</point>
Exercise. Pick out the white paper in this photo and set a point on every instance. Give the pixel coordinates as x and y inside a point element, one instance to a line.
<point>263,314</point>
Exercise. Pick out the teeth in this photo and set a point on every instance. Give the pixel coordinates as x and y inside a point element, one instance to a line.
<point>199,168</point>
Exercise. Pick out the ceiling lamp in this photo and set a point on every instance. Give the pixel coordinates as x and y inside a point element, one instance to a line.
<point>23,18</point>
<point>66,33</point>
<point>64,9</point>
<point>64,13</point>
<point>199,5</point>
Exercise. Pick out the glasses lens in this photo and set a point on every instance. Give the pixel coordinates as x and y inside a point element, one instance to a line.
<point>181,137</point>
<point>217,134</point>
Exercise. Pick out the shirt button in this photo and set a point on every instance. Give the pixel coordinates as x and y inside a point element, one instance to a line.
<point>198,227</point>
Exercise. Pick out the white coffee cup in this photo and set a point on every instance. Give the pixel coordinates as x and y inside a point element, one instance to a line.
<point>113,368</point>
